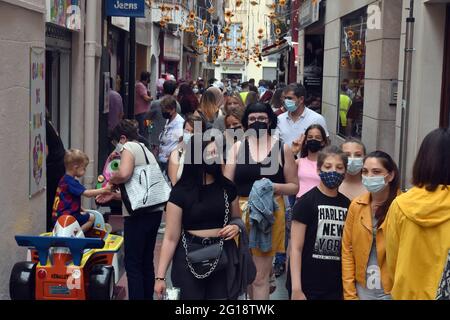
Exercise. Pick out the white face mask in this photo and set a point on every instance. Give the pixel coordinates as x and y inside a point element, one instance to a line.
<point>195,90</point>
<point>355,166</point>
<point>119,147</point>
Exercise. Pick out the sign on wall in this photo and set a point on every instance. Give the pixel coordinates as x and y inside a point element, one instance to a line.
<point>64,13</point>
<point>125,8</point>
<point>172,48</point>
<point>37,121</point>
<point>309,13</point>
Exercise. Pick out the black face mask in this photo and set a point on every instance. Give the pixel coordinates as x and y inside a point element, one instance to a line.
<point>257,126</point>
<point>211,169</point>
<point>166,115</point>
<point>314,145</point>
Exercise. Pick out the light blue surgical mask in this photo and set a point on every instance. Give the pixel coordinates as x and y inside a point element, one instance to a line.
<point>187,137</point>
<point>290,105</point>
<point>374,184</point>
<point>355,166</point>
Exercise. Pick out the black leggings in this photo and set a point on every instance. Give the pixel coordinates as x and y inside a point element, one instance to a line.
<point>213,287</point>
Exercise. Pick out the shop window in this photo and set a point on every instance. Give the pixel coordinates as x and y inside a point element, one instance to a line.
<point>352,74</point>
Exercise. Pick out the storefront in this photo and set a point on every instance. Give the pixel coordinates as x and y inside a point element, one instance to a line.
<point>118,53</point>
<point>311,42</point>
<point>352,73</point>
<point>58,40</point>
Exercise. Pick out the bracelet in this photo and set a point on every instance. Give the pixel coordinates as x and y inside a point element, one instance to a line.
<point>160,279</point>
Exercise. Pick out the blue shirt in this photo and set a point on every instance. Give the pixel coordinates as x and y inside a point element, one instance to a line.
<point>68,197</point>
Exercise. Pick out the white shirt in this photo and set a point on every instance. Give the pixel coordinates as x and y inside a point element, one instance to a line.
<point>170,137</point>
<point>137,150</point>
<point>288,130</point>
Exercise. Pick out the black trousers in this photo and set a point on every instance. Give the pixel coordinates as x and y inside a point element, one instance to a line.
<point>140,234</point>
<point>212,288</point>
<point>311,295</point>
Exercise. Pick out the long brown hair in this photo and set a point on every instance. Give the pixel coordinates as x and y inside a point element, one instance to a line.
<point>390,165</point>
<point>208,105</point>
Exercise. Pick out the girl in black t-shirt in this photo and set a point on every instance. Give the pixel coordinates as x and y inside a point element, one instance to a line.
<point>317,226</point>
<point>197,207</point>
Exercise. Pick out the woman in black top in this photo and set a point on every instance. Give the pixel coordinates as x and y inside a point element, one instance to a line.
<point>261,156</point>
<point>197,207</point>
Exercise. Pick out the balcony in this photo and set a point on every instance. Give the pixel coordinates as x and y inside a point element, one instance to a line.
<point>177,16</point>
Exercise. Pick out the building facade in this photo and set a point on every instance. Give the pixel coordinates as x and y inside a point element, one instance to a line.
<point>364,46</point>
<point>249,19</point>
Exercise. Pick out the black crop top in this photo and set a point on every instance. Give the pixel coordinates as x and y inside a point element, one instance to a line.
<point>204,212</point>
<point>247,172</point>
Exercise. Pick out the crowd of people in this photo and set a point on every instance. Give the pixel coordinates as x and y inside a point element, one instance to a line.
<point>258,189</point>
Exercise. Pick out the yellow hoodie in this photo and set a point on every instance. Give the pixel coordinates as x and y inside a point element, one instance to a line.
<point>418,244</point>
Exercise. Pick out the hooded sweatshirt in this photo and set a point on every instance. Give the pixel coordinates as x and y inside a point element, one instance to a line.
<point>418,244</point>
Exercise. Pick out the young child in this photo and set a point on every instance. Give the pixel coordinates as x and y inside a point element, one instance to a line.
<point>70,190</point>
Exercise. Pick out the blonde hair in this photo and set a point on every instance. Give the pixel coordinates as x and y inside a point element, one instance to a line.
<point>208,105</point>
<point>75,157</point>
<point>237,97</point>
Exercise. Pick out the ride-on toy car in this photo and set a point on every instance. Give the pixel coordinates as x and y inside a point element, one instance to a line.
<point>67,265</point>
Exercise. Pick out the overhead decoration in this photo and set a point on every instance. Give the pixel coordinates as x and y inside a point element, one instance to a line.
<point>230,41</point>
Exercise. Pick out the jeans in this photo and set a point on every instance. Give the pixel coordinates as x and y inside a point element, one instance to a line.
<point>140,118</point>
<point>140,233</point>
<point>280,258</point>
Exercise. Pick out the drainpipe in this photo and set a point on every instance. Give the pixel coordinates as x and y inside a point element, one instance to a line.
<point>406,97</point>
<point>89,89</point>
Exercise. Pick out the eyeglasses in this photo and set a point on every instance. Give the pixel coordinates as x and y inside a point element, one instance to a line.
<point>259,119</point>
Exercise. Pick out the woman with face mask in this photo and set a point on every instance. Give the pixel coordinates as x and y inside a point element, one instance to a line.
<point>140,229</point>
<point>176,160</point>
<point>200,213</point>
<point>317,222</point>
<point>365,275</point>
<point>187,99</point>
<point>315,140</point>
<point>260,156</point>
<point>352,186</point>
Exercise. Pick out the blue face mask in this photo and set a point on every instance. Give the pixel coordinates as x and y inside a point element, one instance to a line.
<point>331,179</point>
<point>355,166</point>
<point>290,105</point>
<point>374,184</point>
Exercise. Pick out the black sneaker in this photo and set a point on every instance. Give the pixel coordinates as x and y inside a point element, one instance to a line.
<point>279,269</point>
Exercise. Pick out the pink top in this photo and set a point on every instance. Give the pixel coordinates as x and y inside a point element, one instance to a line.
<point>307,176</point>
<point>141,106</point>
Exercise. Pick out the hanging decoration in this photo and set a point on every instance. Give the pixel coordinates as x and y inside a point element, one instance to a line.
<point>232,41</point>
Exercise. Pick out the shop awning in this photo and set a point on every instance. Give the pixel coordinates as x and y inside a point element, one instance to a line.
<point>275,48</point>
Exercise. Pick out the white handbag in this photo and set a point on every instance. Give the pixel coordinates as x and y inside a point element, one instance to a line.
<point>146,188</point>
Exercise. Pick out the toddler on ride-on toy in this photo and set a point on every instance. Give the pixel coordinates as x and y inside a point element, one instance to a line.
<point>70,190</point>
